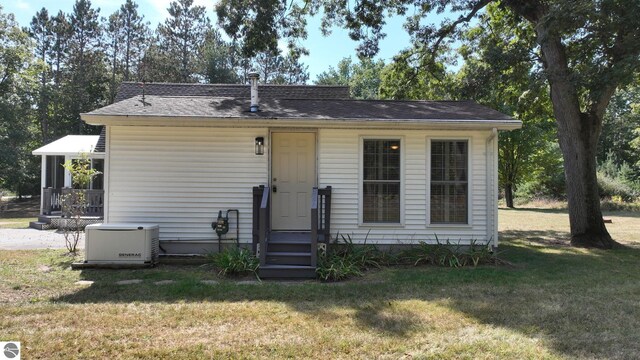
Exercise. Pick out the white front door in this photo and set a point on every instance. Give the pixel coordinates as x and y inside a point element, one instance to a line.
<point>293,176</point>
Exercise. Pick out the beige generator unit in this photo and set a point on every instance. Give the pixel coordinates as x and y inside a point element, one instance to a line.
<point>121,243</point>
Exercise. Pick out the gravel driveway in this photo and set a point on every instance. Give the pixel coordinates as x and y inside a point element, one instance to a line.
<point>28,239</point>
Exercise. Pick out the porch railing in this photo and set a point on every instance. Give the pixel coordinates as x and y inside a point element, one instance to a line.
<point>320,219</point>
<point>261,221</point>
<point>53,201</point>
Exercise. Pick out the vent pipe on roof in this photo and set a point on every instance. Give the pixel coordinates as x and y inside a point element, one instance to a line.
<point>253,77</point>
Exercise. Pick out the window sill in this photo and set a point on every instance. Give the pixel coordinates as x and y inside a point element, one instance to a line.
<point>449,226</point>
<point>381,225</point>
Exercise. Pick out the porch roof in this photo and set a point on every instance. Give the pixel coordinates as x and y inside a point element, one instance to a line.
<point>70,145</point>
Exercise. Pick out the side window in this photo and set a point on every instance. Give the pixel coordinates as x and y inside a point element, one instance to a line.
<point>449,181</point>
<point>381,181</point>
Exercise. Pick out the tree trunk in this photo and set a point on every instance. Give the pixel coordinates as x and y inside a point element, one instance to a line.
<point>585,217</point>
<point>508,195</point>
<point>578,135</point>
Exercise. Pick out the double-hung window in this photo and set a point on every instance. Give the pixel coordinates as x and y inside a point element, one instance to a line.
<point>449,183</point>
<point>381,181</point>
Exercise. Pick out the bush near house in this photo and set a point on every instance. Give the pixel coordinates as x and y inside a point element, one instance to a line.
<point>235,262</point>
<point>344,259</point>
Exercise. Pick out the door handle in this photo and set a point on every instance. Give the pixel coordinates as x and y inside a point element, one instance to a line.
<point>275,189</point>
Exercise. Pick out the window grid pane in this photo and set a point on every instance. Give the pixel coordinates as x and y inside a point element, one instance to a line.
<point>381,181</point>
<point>449,182</point>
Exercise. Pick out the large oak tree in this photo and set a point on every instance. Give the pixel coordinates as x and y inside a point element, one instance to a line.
<point>588,48</point>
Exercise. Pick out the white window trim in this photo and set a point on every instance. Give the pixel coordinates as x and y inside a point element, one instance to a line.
<point>469,223</point>
<point>403,176</point>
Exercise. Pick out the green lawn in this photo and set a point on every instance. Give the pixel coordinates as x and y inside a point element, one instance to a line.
<point>16,223</point>
<point>554,302</point>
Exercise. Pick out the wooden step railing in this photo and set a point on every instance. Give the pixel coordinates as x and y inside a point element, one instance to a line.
<point>53,201</point>
<point>94,201</point>
<point>261,220</point>
<point>320,219</point>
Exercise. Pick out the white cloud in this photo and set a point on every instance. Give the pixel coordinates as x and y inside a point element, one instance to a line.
<point>22,5</point>
<point>160,7</point>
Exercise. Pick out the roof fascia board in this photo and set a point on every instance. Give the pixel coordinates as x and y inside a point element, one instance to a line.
<point>90,155</point>
<point>202,121</point>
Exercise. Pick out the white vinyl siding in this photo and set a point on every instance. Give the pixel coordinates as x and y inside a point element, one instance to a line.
<point>338,166</point>
<point>180,178</point>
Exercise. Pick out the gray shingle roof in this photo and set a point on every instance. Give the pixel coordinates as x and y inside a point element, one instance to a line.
<point>270,108</point>
<point>130,89</point>
<point>100,145</point>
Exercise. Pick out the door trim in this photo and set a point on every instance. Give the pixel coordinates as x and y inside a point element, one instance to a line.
<point>270,160</point>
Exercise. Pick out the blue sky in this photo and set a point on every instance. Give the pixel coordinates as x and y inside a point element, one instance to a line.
<point>324,51</point>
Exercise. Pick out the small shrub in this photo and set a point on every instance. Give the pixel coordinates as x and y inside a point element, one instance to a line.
<point>336,267</point>
<point>617,204</point>
<point>236,261</point>
<point>344,259</point>
<point>448,254</point>
<point>74,203</point>
<point>546,186</point>
<point>615,187</point>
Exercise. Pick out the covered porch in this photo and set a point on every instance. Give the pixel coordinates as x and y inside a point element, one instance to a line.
<point>56,181</point>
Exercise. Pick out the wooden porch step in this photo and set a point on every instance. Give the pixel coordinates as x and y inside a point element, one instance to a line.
<point>289,258</point>
<point>290,242</point>
<point>290,237</point>
<point>287,271</point>
<point>46,218</point>
<point>39,225</point>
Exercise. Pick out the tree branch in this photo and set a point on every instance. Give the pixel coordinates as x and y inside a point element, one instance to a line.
<point>449,29</point>
<point>618,52</point>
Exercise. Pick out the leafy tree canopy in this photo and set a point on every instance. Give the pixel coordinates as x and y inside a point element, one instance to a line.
<point>363,77</point>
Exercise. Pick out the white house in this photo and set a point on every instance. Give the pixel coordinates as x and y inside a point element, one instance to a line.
<point>400,171</point>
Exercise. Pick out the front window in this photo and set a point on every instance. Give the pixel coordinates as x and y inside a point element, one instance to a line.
<point>449,181</point>
<point>381,181</point>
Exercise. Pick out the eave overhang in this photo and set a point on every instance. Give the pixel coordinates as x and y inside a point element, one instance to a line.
<point>253,122</point>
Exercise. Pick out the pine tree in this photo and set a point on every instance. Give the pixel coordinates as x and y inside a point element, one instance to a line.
<point>182,37</point>
<point>41,31</point>
<point>88,73</point>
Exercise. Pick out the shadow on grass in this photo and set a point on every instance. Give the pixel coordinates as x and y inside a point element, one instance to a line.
<point>606,213</point>
<point>542,237</point>
<point>568,297</point>
<point>539,210</point>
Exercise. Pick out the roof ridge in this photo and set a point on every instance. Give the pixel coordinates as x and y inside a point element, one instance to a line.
<point>236,85</point>
<point>382,100</point>
<point>308,99</point>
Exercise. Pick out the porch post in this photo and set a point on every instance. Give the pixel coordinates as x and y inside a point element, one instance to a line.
<point>67,173</point>
<point>43,181</point>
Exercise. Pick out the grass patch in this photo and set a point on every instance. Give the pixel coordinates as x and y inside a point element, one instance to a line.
<point>16,213</point>
<point>16,223</point>
<point>554,302</point>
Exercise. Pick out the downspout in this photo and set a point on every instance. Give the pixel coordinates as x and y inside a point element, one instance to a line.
<point>492,185</point>
<point>106,177</point>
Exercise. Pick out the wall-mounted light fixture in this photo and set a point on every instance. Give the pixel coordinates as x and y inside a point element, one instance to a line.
<point>260,145</point>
